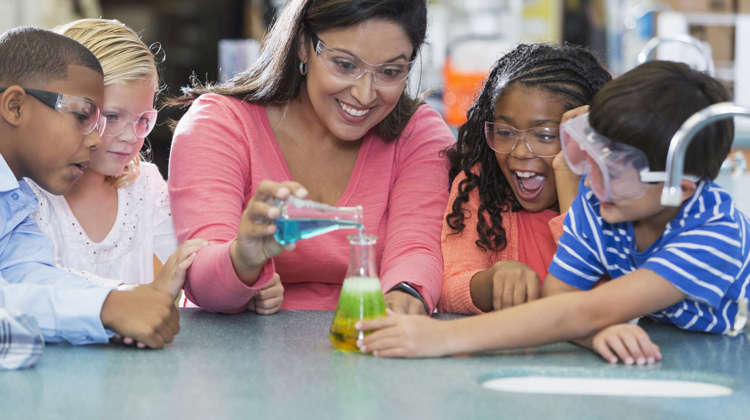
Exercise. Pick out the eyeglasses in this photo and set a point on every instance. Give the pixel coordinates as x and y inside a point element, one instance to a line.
<point>118,122</point>
<point>541,141</point>
<point>350,67</point>
<point>615,171</point>
<point>87,113</point>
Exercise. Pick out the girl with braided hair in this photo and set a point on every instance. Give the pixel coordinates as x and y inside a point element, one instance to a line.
<point>509,182</point>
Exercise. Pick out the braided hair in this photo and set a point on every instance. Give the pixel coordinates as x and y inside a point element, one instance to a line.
<point>571,72</point>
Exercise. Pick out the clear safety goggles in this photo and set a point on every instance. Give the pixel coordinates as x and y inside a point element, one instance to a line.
<point>140,125</point>
<point>350,67</point>
<point>87,115</point>
<point>615,171</point>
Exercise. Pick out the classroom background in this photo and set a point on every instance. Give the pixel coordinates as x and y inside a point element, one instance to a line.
<point>214,40</point>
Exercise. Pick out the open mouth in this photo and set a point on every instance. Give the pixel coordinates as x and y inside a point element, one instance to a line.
<point>530,184</point>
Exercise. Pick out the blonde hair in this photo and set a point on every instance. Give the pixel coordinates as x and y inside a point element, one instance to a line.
<point>124,58</point>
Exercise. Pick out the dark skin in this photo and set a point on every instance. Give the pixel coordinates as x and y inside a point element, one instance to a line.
<point>48,146</point>
<point>509,283</point>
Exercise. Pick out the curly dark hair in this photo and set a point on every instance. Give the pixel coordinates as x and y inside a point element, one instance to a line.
<point>571,72</point>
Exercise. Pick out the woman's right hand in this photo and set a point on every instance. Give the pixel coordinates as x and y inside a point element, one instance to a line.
<point>255,243</point>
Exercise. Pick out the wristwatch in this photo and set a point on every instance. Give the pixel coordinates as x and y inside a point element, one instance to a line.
<point>409,289</point>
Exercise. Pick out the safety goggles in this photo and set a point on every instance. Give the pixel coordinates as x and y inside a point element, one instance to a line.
<point>615,171</point>
<point>350,67</point>
<point>119,121</point>
<point>541,141</point>
<point>87,113</point>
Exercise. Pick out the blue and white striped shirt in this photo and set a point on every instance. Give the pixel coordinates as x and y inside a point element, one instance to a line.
<point>704,252</point>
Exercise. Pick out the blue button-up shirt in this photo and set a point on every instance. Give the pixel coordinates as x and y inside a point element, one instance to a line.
<point>66,306</point>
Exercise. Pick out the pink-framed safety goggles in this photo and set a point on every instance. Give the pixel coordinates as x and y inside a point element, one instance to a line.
<point>615,171</point>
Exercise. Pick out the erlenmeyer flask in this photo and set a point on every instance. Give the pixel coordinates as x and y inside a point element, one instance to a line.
<point>361,297</point>
<point>302,219</point>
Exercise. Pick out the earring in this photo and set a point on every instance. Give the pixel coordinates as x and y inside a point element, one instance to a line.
<point>302,68</point>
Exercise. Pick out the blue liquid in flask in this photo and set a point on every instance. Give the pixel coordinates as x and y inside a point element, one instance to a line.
<point>292,230</point>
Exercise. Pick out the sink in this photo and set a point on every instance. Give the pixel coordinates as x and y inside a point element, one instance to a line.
<point>615,381</point>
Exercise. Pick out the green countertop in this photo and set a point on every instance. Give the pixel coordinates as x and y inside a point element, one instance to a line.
<point>282,366</point>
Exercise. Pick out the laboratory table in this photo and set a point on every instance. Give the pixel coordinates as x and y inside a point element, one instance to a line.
<point>282,366</point>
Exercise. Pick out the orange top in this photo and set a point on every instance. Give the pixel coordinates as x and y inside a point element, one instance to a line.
<point>531,239</point>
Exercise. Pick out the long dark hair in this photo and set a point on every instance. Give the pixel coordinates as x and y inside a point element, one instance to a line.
<point>569,71</point>
<point>275,78</point>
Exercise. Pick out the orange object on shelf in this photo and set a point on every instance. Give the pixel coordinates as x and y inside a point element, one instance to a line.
<point>460,89</point>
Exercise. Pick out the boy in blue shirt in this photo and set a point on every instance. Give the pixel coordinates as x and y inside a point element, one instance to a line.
<point>687,265</point>
<point>50,120</point>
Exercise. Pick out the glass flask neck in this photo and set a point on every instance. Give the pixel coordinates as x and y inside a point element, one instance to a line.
<point>362,256</point>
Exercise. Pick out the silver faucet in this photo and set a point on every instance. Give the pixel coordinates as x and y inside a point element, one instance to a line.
<point>671,195</point>
<point>691,41</point>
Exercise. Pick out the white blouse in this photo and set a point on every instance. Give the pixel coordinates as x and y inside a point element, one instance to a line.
<point>143,227</point>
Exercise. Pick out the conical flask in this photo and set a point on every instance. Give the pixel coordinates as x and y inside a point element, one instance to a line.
<point>361,297</point>
<point>302,219</point>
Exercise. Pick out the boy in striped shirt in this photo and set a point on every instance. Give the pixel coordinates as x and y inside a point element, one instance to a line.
<point>687,265</point>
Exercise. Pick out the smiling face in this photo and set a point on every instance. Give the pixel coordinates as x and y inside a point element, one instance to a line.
<point>531,178</point>
<point>350,108</point>
<point>122,101</point>
<point>57,152</point>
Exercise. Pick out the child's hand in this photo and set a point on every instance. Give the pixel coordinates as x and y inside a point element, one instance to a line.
<point>255,242</point>
<point>269,298</point>
<point>566,181</point>
<point>399,335</point>
<point>570,114</point>
<point>144,314</point>
<point>559,165</point>
<point>171,276</point>
<point>513,283</point>
<point>628,342</point>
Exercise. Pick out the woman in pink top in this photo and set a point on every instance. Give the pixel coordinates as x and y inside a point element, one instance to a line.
<point>507,168</point>
<point>324,107</point>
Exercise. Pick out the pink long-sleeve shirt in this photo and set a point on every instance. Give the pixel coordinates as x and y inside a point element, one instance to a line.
<point>224,147</point>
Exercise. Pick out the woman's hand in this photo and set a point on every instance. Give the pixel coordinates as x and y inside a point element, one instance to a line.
<point>255,243</point>
<point>403,303</point>
<point>171,276</point>
<point>626,342</point>
<point>269,298</point>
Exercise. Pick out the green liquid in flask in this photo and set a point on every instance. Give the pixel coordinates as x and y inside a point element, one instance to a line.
<point>360,299</point>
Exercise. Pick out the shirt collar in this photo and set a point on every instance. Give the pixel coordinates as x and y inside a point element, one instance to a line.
<point>8,180</point>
